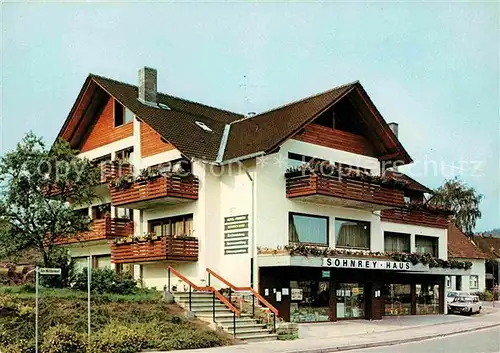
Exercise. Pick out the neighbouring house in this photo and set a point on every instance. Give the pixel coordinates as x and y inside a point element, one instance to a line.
<point>304,202</point>
<point>491,247</point>
<point>460,247</point>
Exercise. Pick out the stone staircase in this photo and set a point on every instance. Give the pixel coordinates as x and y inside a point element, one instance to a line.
<point>247,328</point>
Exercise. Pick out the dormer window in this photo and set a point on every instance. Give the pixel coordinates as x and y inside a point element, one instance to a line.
<point>122,115</point>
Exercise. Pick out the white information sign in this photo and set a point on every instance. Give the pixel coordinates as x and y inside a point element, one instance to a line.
<point>367,264</point>
<point>49,271</point>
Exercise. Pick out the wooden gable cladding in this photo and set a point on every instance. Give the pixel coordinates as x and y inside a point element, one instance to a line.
<point>334,138</point>
<point>151,142</point>
<point>104,131</point>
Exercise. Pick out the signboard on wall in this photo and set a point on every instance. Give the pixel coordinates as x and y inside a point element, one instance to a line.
<point>367,264</point>
<point>236,235</point>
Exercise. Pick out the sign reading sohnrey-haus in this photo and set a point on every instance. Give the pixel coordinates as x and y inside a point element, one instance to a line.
<point>366,264</point>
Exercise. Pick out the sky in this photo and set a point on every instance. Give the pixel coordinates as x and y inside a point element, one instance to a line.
<point>431,67</point>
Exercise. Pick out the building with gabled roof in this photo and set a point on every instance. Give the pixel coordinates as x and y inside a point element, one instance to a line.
<point>298,203</point>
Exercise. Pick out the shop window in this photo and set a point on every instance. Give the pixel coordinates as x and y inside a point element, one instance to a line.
<point>309,229</point>
<point>122,115</point>
<point>173,226</point>
<point>427,299</point>
<point>101,211</point>
<point>473,282</point>
<point>397,299</point>
<point>352,234</point>
<point>350,300</point>
<point>396,242</point>
<point>310,301</point>
<point>426,245</point>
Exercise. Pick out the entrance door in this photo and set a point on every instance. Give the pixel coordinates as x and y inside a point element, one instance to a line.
<point>350,300</point>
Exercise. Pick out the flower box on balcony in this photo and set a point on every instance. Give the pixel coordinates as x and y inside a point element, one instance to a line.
<point>157,249</point>
<point>164,190</point>
<point>102,229</point>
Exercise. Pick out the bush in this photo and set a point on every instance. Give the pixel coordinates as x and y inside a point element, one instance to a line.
<point>21,346</point>
<point>117,339</point>
<point>105,280</point>
<point>486,296</point>
<point>61,339</point>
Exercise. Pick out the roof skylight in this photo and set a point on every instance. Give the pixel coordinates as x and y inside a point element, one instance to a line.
<point>203,126</point>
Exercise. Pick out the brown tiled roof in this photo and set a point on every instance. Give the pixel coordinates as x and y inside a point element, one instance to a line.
<point>459,246</point>
<point>412,183</point>
<point>177,125</point>
<point>267,130</point>
<point>247,135</point>
<point>490,245</point>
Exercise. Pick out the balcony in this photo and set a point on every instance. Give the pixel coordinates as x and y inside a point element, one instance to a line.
<point>102,229</point>
<point>344,192</point>
<point>159,249</point>
<point>159,191</point>
<point>112,170</point>
<point>417,217</point>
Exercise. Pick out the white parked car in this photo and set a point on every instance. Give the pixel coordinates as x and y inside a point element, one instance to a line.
<point>469,304</point>
<point>455,293</point>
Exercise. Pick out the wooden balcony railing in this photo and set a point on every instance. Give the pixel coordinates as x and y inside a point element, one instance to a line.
<point>418,217</point>
<point>167,189</point>
<point>111,170</point>
<point>163,248</point>
<point>103,229</point>
<point>345,191</point>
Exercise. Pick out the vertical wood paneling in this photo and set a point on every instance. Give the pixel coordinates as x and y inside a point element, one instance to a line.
<point>104,131</point>
<point>337,139</point>
<point>151,142</point>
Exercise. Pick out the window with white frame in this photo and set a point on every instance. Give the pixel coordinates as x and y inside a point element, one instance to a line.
<point>426,245</point>
<point>473,282</point>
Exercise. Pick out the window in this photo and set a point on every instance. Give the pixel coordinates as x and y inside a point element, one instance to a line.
<point>173,226</point>
<point>396,242</point>
<point>296,160</point>
<point>82,212</point>
<point>473,282</point>
<point>125,155</point>
<point>100,211</point>
<point>80,263</point>
<point>122,114</point>
<point>448,283</point>
<point>352,234</point>
<point>308,229</point>
<point>102,261</point>
<point>426,245</point>
<point>126,213</point>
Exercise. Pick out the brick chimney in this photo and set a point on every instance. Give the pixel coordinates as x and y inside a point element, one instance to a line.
<point>147,85</point>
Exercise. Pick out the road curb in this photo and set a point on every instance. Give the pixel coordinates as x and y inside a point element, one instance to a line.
<point>391,342</point>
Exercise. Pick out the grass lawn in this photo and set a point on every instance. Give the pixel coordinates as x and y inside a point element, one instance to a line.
<point>120,323</point>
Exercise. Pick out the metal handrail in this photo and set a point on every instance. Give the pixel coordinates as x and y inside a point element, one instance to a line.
<point>255,294</point>
<point>215,293</point>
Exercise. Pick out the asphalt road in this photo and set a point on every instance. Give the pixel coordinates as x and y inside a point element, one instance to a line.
<point>482,341</point>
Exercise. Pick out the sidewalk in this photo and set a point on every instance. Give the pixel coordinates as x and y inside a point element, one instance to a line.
<point>347,335</point>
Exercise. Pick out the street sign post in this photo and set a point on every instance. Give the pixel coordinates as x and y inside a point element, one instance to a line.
<point>44,271</point>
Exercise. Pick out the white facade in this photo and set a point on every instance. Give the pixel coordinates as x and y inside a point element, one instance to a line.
<point>226,191</point>
<point>474,282</point>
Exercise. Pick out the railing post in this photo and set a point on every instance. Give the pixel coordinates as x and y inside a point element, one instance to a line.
<point>209,279</point>
<point>213,306</point>
<point>274,322</point>
<point>190,298</point>
<point>253,304</point>
<point>234,324</point>
<point>230,294</point>
<point>169,279</point>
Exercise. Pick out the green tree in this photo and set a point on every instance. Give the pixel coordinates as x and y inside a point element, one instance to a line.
<point>39,186</point>
<point>463,200</point>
